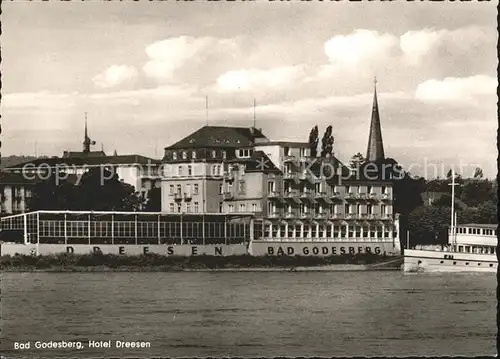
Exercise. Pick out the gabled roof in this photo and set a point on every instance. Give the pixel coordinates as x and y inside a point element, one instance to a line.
<point>90,161</point>
<point>220,136</point>
<point>257,162</point>
<point>68,154</point>
<point>15,179</point>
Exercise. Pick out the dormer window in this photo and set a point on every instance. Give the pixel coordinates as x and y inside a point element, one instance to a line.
<point>214,154</point>
<point>193,154</point>
<point>174,155</point>
<point>244,153</point>
<point>184,155</point>
<point>192,140</point>
<point>224,155</point>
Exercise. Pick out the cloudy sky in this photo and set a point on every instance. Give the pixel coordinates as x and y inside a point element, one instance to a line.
<point>141,71</point>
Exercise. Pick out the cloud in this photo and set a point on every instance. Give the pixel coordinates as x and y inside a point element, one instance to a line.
<point>417,45</point>
<point>456,90</point>
<point>361,45</point>
<point>115,75</point>
<point>42,100</point>
<point>252,79</point>
<point>167,56</point>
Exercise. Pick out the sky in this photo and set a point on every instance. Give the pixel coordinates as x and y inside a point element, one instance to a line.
<point>142,72</point>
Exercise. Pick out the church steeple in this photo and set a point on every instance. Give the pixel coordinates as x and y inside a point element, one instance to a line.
<point>86,140</point>
<point>375,151</point>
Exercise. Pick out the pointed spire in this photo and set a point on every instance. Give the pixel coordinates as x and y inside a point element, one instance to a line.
<point>375,151</point>
<point>115,153</point>
<point>86,140</point>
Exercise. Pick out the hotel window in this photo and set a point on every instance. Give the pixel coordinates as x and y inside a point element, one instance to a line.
<point>184,155</point>
<point>317,187</point>
<point>179,208</point>
<point>347,209</point>
<point>242,187</point>
<point>357,231</point>
<point>231,208</point>
<point>328,231</point>
<point>302,152</point>
<point>221,208</point>
<point>347,189</point>
<point>193,154</point>
<point>171,207</point>
<point>270,187</point>
<point>224,155</point>
<point>369,189</point>
<point>188,207</point>
<point>254,207</point>
<point>384,190</point>
<point>287,151</point>
<point>174,155</point>
<point>190,170</point>
<point>383,210</point>
<point>369,209</point>
<point>179,189</point>
<point>214,154</point>
<point>343,231</point>
<point>242,207</point>
<point>358,209</point>
<point>179,170</point>
<point>195,189</point>
<point>172,190</point>
<point>188,189</point>
<point>195,207</point>
<point>288,208</point>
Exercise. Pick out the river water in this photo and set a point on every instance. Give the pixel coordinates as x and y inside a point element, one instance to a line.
<point>251,314</point>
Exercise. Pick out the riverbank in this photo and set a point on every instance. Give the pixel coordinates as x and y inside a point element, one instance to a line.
<point>156,263</point>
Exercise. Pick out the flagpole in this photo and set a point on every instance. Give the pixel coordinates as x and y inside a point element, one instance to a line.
<point>206,109</point>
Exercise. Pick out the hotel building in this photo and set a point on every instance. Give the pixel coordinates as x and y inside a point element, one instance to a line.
<point>233,169</point>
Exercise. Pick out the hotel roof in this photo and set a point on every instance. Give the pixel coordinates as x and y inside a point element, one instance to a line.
<point>220,136</point>
<point>89,161</point>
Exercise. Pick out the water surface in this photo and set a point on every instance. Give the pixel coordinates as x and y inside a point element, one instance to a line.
<point>252,314</point>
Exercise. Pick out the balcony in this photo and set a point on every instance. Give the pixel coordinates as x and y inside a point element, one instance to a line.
<point>306,194</point>
<point>187,196</point>
<point>320,215</point>
<point>362,195</point>
<point>290,175</point>
<point>320,195</point>
<point>228,195</point>
<point>372,196</point>
<point>305,215</point>
<point>306,176</point>
<point>336,195</point>
<point>273,194</point>
<point>289,158</point>
<point>291,194</point>
<point>337,215</point>
<point>228,176</point>
<point>291,214</point>
<point>274,214</point>
<point>351,196</point>
<point>178,196</point>
<point>386,197</point>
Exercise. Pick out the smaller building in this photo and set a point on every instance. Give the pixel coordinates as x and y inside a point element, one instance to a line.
<point>15,191</point>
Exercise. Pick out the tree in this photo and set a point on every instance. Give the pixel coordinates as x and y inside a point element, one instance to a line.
<point>357,161</point>
<point>96,190</point>
<point>327,143</point>
<point>475,192</point>
<point>427,225</point>
<point>153,203</point>
<point>478,173</point>
<point>313,141</point>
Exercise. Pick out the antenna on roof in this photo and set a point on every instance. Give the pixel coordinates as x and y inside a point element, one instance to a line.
<point>102,146</point>
<point>254,105</point>
<point>206,109</point>
<point>156,147</point>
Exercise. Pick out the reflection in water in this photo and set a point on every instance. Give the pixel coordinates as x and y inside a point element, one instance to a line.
<point>252,314</point>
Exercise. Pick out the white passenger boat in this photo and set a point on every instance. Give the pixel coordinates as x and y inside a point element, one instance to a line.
<point>471,248</point>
